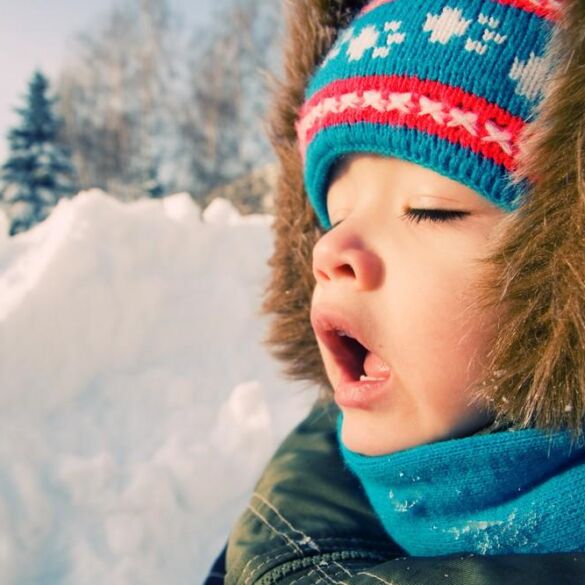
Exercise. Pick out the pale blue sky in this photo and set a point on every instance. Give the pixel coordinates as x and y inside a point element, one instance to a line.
<point>34,33</point>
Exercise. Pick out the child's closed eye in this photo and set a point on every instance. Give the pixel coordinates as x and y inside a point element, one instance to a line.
<point>434,215</point>
<point>418,215</point>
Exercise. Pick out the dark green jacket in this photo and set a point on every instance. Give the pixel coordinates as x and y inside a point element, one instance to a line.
<point>309,521</point>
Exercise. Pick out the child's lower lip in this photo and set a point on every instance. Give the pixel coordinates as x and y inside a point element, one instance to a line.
<point>362,394</point>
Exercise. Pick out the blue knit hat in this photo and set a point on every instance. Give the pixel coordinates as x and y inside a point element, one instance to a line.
<point>447,84</point>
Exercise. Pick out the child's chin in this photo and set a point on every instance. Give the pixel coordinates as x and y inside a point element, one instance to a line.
<point>363,435</point>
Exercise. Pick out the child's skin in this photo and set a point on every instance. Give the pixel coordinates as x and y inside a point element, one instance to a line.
<point>407,285</point>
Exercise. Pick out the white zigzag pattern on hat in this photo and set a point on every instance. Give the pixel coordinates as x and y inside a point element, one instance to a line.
<point>554,4</point>
<point>442,114</point>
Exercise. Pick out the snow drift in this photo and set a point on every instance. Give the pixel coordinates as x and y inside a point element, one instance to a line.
<point>134,389</point>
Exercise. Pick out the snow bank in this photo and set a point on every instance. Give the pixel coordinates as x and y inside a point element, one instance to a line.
<point>134,389</point>
<point>223,212</point>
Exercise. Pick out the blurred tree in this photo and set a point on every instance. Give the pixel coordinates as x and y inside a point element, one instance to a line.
<point>222,122</point>
<point>38,171</point>
<point>152,186</point>
<point>143,102</point>
<point>119,91</point>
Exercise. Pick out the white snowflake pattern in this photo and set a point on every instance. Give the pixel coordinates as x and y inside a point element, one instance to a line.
<point>450,23</point>
<point>529,75</point>
<point>393,38</point>
<point>334,52</point>
<point>367,39</point>
<point>477,46</point>
<point>489,20</point>
<point>443,27</point>
<point>489,36</point>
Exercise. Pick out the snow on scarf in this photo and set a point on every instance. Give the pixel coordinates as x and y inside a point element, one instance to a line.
<point>506,492</point>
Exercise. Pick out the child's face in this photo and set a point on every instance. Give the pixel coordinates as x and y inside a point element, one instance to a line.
<point>403,288</point>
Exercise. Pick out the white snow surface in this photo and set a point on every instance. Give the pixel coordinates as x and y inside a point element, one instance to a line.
<point>138,405</point>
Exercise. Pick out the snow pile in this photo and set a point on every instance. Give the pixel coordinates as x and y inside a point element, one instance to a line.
<point>137,404</point>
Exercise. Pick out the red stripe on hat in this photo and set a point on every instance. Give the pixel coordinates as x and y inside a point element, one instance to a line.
<point>456,135</point>
<point>373,5</point>
<point>549,9</point>
<point>446,117</point>
<point>434,90</point>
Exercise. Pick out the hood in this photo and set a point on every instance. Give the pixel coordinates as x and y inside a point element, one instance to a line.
<point>536,273</point>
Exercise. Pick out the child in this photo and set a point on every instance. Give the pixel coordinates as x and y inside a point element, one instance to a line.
<point>435,286</point>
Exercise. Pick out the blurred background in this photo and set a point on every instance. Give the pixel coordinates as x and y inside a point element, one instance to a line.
<point>139,98</point>
<point>138,403</point>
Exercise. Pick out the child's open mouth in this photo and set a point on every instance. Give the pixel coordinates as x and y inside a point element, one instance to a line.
<point>363,374</point>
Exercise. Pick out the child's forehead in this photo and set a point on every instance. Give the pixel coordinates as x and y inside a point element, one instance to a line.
<point>414,179</point>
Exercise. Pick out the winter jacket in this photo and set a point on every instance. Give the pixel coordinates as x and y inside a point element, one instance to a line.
<point>308,520</point>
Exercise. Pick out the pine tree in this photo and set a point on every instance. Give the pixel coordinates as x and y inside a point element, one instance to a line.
<point>152,185</point>
<point>38,171</point>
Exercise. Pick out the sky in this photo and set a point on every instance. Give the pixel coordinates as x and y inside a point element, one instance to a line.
<point>35,33</point>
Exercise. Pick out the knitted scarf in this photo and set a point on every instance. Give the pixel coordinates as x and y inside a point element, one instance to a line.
<point>507,492</point>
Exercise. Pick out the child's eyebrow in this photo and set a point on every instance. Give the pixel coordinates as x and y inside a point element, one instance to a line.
<point>431,196</point>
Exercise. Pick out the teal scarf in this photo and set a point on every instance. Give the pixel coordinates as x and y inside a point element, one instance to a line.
<point>506,492</point>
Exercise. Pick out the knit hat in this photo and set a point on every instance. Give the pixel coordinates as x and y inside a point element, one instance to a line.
<point>446,84</point>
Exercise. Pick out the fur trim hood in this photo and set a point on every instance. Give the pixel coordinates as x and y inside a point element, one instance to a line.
<point>536,367</point>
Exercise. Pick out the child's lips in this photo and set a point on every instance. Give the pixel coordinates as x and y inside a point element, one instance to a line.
<point>342,337</point>
<point>363,375</point>
<point>364,394</point>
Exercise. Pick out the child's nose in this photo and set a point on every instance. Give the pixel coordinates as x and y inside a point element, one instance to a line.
<point>341,254</point>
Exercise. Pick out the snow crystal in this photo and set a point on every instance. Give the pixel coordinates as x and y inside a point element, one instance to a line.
<point>405,506</point>
<point>492,536</point>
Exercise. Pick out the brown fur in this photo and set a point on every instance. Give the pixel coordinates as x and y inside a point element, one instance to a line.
<point>311,30</point>
<point>535,374</point>
<point>536,369</point>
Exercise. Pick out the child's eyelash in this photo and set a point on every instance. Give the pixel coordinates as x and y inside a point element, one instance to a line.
<point>418,215</point>
<point>434,215</point>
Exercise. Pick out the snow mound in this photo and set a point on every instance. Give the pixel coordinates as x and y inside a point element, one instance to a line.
<point>134,389</point>
<point>223,212</point>
<point>181,207</point>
